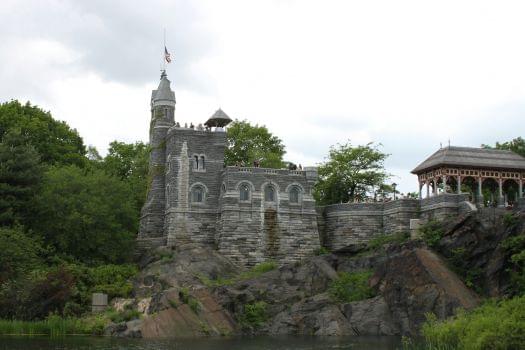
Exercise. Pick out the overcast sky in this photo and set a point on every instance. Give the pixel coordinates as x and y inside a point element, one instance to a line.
<point>407,74</point>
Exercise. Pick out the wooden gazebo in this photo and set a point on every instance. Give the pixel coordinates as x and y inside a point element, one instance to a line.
<point>452,167</point>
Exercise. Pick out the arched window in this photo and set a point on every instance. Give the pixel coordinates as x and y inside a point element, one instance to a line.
<point>201,164</point>
<point>195,162</point>
<point>197,194</point>
<point>244,194</point>
<point>269,193</point>
<point>223,189</point>
<point>295,194</point>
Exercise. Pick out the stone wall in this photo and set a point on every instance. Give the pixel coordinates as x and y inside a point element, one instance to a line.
<point>256,230</point>
<point>187,220</point>
<point>346,224</point>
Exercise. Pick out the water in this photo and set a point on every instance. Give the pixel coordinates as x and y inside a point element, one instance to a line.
<point>255,343</point>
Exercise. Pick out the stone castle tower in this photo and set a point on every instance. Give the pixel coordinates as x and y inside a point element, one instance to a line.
<point>248,214</point>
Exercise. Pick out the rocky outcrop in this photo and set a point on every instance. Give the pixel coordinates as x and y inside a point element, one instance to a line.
<point>415,281</point>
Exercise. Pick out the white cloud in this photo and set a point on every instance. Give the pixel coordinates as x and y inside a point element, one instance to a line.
<point>409,74</point>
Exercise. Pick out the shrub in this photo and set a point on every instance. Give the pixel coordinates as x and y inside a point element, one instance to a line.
<point>254,315</point>
<point>431,232</point>
<point>322,251</point>
<point>515,246</point>
<point>254,272</point>
<point>494,325</point>
<point>351,287</point>
<point>381,240</point>
<point>184,295</point>
<point>194,305</point>
<point>123,316</point>
<point>509,219</point>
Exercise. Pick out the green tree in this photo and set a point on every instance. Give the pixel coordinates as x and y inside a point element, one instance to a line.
<point>86,214</point>
<point>20,176</point>
<point>19,253</point>
<point>248,143</point>
<point>516,145</point>
<point>350,173</point>
<point>130,163</point>
<point>54,140</point>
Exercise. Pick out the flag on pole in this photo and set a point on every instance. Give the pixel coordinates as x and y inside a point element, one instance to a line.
<point>167,55</point>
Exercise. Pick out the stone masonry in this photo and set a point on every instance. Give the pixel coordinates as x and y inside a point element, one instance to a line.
<point>251,215</point>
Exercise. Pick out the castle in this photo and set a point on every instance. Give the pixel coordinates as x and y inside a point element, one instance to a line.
<point>252,214</point>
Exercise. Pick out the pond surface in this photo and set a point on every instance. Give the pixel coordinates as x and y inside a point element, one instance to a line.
<point>255,343</point>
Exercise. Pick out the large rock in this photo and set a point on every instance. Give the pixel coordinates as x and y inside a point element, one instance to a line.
<point>414,281</point>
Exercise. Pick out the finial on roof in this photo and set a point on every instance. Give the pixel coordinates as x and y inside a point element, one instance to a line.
<point>163,73</point>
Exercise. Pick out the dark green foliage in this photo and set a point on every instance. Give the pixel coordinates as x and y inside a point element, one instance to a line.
<point>254,315</point>
<point>247,143</point>
<point>350,173</point>
<point>129,162</point>
<point>19,254</point>
<point>516,145</point>
<point>351,287</point>
<point>55,141</point>
<point>123,316</point>
<point>322,251</point>
<point>494,325</point>
<point>86,214</point>
<point>380,241</point>
<point>515,246</point>
<point>431,232</point>
<point>20,177</point>
<point>510,219</point>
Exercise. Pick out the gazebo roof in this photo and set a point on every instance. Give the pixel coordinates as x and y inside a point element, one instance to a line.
<point>219,118</point>
<point>473,158</point>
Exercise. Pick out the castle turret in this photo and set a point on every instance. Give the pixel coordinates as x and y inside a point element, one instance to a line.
<point>162,118</point>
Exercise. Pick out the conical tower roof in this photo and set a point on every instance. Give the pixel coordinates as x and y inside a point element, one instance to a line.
<point>218,119</point>
<point>163,95</point>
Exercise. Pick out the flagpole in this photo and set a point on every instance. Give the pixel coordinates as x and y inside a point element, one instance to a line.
<point>163,56</point>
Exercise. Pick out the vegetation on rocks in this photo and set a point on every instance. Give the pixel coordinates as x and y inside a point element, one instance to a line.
<point>254,272</point>
<point>495,325</point>
<point>351,287</point>
<point>254,315</point>
<point>431,232</point>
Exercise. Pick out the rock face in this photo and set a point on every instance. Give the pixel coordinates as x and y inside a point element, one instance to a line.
<point>410,280</point>
<point>414,281</point>
<point>473,243</point>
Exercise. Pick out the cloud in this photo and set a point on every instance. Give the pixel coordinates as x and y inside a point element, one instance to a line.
<point>407,74</point>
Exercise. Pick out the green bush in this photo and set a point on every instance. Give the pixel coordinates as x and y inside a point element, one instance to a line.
<point>431,232</point>
<point>515,246</point>
<point>322,251</point>
<point>351,287</point>
<point>254,315</point>
<point>494,325</point>
<point>123,316</point>
<point>55,326</point>
<point>510,219</point>
<point>381,240</point>
<point>194,305</point>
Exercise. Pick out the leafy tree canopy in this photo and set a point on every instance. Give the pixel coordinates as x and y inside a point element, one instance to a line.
<point>516,145</point>
<point>54,140</point>
<point>350,173</point>
<point>248,143</point>
<point>86,214</point>
<point>20,176</point>
<point>19,253</point>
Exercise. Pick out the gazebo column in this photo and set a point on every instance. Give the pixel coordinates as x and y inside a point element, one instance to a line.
<point>444,178</point>
<point>435,188</point>
<point>428,189</point>
<point>520,195</point>
<point>420,190</point>
<point>501,200</point>
<point>459,184</point>
<point>479,200</point>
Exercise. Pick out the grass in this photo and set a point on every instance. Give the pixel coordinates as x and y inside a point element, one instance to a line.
<point>56,326</point>
<point>254,272</point>
<point>351,287</point>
